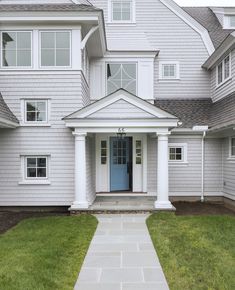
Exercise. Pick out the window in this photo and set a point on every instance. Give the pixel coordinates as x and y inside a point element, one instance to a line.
<point>121,75</point>
<point>232,21</point>
<point>119,152</point>
<point>232,147</point>
<point>169,70</point>
<point>103,152</point>
<point>55,48</point>
<point>36,167</point>
<point>224,70</point>
<point>138,152</point>
<point>36,111</point>
<point>16,47</point>
<point>122,10</point>
<point>177,153</point>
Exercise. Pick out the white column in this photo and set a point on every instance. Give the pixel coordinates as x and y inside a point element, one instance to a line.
<point>80,201</point>
<point>163,202</point>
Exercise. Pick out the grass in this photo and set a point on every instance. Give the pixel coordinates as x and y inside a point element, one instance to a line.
<point>196,252</point>
<point>45,253</point>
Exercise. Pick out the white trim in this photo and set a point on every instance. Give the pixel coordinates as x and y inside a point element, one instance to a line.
<point>192,23</point>
<point>32,53</point>
<point>177,70</point>
<point>122,22</point>
<point>70,49</point>
<point>184,147</point>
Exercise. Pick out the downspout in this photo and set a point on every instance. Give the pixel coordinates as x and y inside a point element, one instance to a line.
<point>203,163</point>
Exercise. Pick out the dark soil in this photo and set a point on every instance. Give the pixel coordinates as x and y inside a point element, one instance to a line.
<point>10,219</point>
<point>199,208</point>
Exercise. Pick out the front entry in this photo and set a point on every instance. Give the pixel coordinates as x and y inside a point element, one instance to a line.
<point>120,164</point>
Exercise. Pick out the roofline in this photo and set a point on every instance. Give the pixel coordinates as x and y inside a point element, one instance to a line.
<point>188,19</point>
<point>224,47</point>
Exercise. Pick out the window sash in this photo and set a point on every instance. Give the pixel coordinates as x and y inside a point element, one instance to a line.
<point>121,78</point>
<point>18,51</point>
<point>122,10</point>
<point>36,168</point>
<point>224,70</point>
<point>232,20</point>
<point>233,147</point>
<point>169,71</point>
<point>55,52</point>
<point>35,111</point>
<point>176,154</point>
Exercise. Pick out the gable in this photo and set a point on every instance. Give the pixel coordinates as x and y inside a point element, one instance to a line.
<point>120,109</point>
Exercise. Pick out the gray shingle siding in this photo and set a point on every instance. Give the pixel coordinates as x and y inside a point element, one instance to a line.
<point>208,19</point>
<point>5,112</point>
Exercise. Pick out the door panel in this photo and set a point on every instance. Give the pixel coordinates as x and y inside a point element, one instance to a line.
<point>120,166</point>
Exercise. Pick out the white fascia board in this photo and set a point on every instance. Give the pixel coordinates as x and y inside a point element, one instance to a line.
<point>133,53</point>
<point>177,10</point>
<point>7,123</point>
<point>227,45</point>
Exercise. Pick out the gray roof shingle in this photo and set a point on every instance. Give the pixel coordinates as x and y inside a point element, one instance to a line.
<point>5,112</point>
<point>201,112</point>
<point>46,7</point>
<point>206,17</point>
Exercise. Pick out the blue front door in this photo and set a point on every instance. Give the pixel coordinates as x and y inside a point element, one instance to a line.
<point>120,164</point>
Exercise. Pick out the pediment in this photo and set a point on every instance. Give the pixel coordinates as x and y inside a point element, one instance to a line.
<point>120,105</point>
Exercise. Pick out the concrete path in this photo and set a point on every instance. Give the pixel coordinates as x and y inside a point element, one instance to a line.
<point>121,257</point>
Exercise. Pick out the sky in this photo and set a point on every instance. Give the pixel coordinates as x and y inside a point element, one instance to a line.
<point>206,2</point>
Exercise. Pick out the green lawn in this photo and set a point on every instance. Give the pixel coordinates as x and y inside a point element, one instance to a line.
<point>196,252</point>
<point>45,253</point>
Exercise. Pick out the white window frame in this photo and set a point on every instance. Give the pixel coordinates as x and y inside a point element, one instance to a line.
<point>32,180</point>
<point>161,70</point>
<point>120,62</point>
<point>35,123</point>
<point>39,49</point>
<point>184,147</point>
<point>230,148</point>
<point>17,67</point>
<point>224,80</point>
<point>126,22</point>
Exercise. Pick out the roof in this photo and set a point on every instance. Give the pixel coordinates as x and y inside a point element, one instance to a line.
<point>206,17</point>
<point>5,112</point>
<point>191,112</point>
<point>46,7</point>
<point>201,112</point>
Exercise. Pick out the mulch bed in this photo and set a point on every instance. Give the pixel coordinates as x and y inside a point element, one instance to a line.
<point>199,208</point>
<point>10,219</point>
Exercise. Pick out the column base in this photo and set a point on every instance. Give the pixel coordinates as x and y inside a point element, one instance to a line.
<point>164,205</point>
<point>79,205</point>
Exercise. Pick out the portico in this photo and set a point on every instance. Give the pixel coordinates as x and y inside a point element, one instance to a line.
<point>95,129</point>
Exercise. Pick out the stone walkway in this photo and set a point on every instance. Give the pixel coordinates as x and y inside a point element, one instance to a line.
<point>121,257</point>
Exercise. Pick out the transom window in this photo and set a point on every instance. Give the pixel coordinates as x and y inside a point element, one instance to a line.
<point>233,147</point>
<point>119,151</point>
<point>121,75</point>
<point>36,111</point>
<point>36,167</point>
<point>169,70</point>
<point>122,10</point>
<point>16,48</point>
<point>55,48</point>
<point>224,70</point>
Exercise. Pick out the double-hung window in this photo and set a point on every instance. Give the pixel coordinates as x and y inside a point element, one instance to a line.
<point>122,10</point>
<point>224,70</point>
<point>16,49</point>
<point>55,48</point>
<point>169,70</point>
<point>36,111</point>
<point>121,75</point>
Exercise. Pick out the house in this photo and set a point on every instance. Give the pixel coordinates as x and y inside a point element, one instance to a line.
<point>116,96</point>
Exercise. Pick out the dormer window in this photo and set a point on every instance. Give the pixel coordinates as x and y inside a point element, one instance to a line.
<point>232,21</point>
<point>224,70</point>
<point>122,11</point>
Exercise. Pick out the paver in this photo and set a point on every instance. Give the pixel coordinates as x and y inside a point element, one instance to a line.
<point>121,256</point>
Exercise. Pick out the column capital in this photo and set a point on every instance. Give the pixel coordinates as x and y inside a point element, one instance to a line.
<point>162,134</point>
<point>79,134</point>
